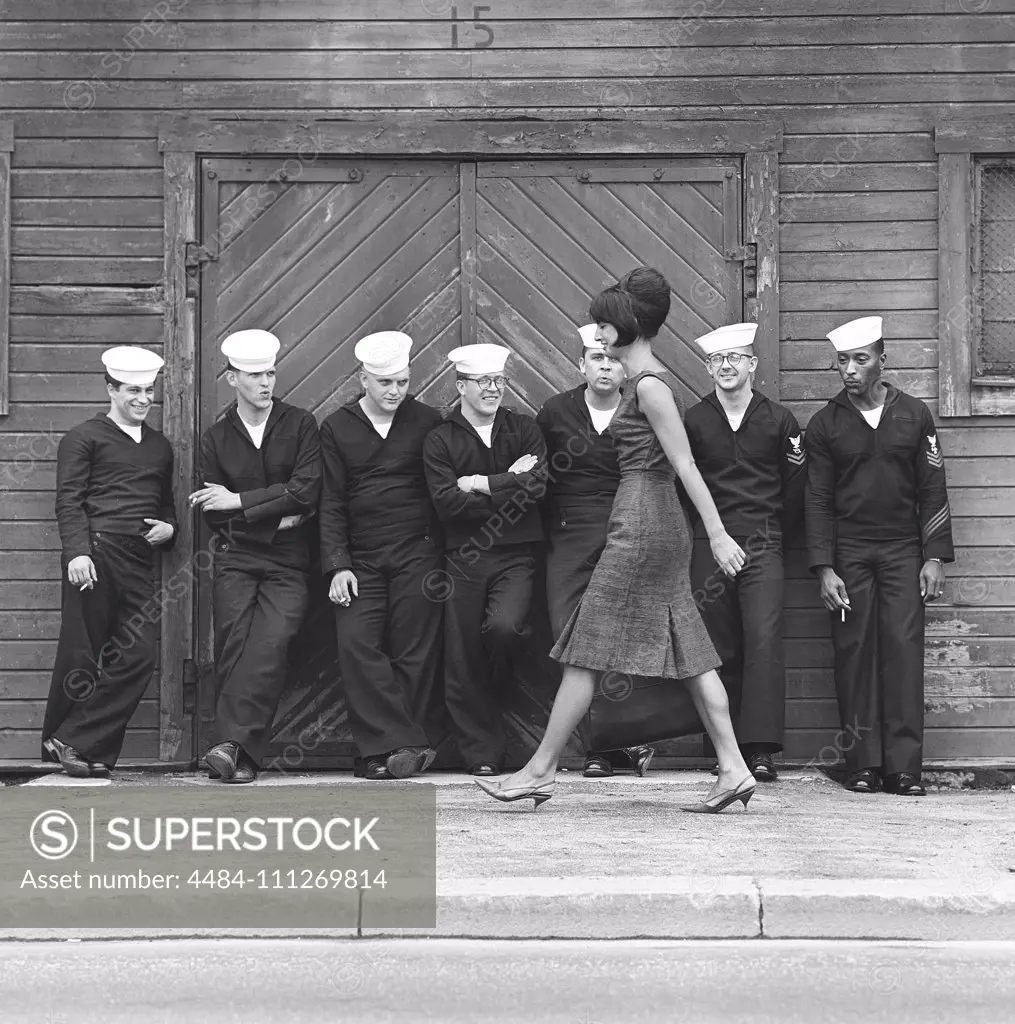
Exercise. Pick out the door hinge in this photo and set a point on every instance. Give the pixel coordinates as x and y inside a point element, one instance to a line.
<point>746,254</point>
<point>195,256</point>
<point>189,685</point>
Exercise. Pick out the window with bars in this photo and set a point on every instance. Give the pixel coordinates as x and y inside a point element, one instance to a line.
<point>993,319</point>
<point>976,266</point>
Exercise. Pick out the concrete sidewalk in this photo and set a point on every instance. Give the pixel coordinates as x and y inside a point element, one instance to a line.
<point>616,858</point>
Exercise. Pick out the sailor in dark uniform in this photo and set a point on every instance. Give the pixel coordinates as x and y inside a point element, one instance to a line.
<point>380,544</point>
<point>114,508</point>
<point>878,533</point>
<point>749,451</point>
<point>582,479</point>
<point>485,468</point>
<point>261,467</point>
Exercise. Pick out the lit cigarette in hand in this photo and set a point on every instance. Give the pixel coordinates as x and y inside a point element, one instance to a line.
<point>843,610</point>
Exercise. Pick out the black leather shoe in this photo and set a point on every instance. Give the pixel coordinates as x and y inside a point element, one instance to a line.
<point>221,760</point>
<point>373,768</point>
<point>98,770</point>
<point>246,771</point>
<point>641,758</point>
<point>597,766</point>
<point>486,768</point>
<point>904,784</point>
<point>408,761</point>
<point>761,767</point>
<point>70,760</point>
<point>866,780</point>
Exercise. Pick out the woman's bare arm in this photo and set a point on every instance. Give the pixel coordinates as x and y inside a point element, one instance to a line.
<point>656,401</point>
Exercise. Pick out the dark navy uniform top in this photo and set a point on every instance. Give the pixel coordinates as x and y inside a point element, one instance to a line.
<point>755,474</point>
<point>874,484</point>
<point>582,468</point>
<point>509,514</point>
<point>374,487</point>
<point>281,478</point>
<point>107,481</point>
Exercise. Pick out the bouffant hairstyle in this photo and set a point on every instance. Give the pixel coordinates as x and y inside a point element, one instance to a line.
<point>637,305</point>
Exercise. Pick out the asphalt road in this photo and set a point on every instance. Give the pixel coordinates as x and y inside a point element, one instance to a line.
<point>459,982</point>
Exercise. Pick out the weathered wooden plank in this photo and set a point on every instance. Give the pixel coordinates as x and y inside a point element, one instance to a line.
<point>49,358</point>
<point>858,206</point>
<point>30,565</point>
<point>102,94</point>
<point>866,266</point>
<point>309,138</point>
<point>956,713</point>
<point>180,417</point>
<point>24,597</point>
<point>84,124</point>
<point>30,536</point>
<point>810,326</point>
<point>847,296</point>
<point>939,35</point>
<point>800,385</point>
<point>25,685</point>
<point>28,714</point>
<point>35,331</point>
<point>74,183</point>
<point>943,622</point>
<point>819,355</point>
<point>686,13</point>
<point>761,226</point>
<point>5,267</point>
<point>856,147</point>
<point>644,92</point>
<point>991,471</point>
<point>955,217</point>
<point>92,153</point>
<point>124,213</point>
<point>835,176</point>
<point>895,236</point>
<point>975,440</point>
<point>985,501</point>
<point>961,133</point>
<point>70,301</point>
<point>22,475</point>
<point>37,241</point>
<point>33,448</point>
<point>23,745</point>
<point>443,61</point>
<point>75,270</point>
<point>956,683</point>
<point>37,626</point>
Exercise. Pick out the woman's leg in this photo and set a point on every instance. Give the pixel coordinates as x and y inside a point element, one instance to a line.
<point>709,696</point>
<point>569,707</point>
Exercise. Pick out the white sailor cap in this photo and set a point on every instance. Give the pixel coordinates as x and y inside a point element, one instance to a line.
<point>723,339</point>
<point>856,334</point>
<point>251,351</point>
<point>132,365</point>
<point>588,335</point>
<point>384,353</point>
<point>477,359</point>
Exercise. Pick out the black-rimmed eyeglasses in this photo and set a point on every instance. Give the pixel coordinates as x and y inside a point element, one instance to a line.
<point>486,383</point>
<point>732,357</point>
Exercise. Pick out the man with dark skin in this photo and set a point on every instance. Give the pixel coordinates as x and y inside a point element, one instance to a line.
<point>878,533</point>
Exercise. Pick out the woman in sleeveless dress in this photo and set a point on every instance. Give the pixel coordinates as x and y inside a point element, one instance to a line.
<point>638,615</point>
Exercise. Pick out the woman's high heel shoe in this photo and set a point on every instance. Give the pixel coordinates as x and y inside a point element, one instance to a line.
<point>538,794</point>
<point>721,801</point>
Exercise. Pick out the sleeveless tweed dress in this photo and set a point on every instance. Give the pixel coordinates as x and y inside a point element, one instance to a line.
<point>637,615</point>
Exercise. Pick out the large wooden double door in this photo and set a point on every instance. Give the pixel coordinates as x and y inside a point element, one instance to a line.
<point>453,252</point>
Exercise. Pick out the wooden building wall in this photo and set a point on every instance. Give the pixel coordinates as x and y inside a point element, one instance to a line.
<point>85,83</point>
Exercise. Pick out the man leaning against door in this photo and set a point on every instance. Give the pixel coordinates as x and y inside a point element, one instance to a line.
<point>878,533</point>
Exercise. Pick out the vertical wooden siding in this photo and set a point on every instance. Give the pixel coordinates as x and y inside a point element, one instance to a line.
<point>858,96</point>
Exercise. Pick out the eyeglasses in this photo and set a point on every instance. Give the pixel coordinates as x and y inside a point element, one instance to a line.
<point>732,357</point>
<point>486,383</point>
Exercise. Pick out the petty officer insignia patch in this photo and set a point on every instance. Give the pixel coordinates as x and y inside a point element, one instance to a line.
<point>794,452</point>
<point>934,456</point>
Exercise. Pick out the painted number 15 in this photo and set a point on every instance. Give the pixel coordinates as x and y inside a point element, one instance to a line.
<point>478,26</point>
